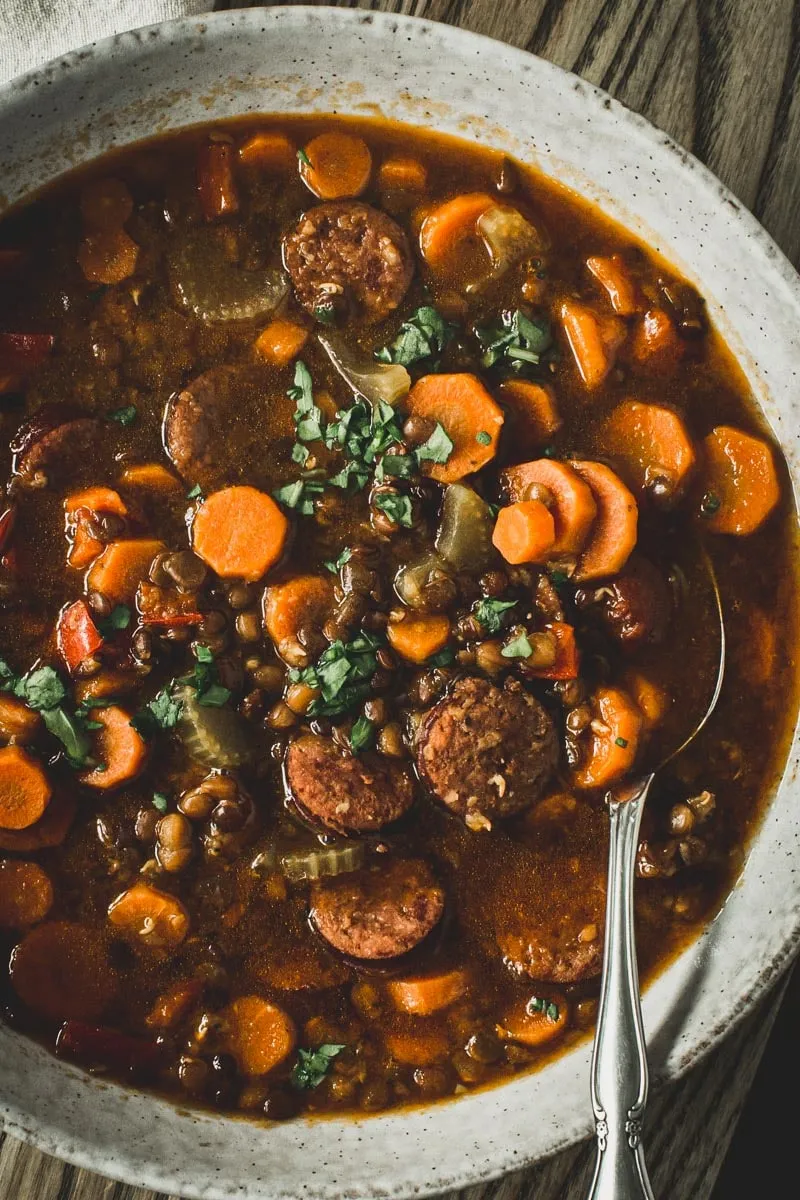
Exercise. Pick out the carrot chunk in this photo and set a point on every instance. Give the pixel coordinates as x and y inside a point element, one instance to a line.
<point>534,412</point>
<point>216,183</point>
<point>17,721</point>
<point>151,476</point>
<point>119,750</point>
<point>26,894</point>
<point>117,572</point>
<point>525,532</point>
<point>107,256</point>
<point>146,916</point>
<point>336,165</point>
<point>423,995</point>
<point>739,479</point>
<point>613,740</point>
<point>612,275</point>
<point>174,1004</point>
<point>593,341</point>
<point>653,446</point>
<point>445,230</point>
<point>104,684</point>
<point>418,638</point>
<point>260,1036</point>
<point>615,529</point>
<point>303,600</point>
<point>270,151</point>
<point>537,1021</point>
<point>79,507</point>
<point>281,341</point>
<point>469,416</point>
<point>651,699</point>
<point>49,830</point>
<point>239,532</point>
<point>77,636</point>
<point>568,497</point>
<point>61,971</point>
<point>24,789</point>
<point>420,1046</point>
<point>402,175</point>
<point>656,341</point>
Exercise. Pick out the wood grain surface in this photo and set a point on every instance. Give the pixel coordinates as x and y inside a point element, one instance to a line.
<point>721,76</point>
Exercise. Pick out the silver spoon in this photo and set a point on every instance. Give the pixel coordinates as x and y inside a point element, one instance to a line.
<point>619,1077</point>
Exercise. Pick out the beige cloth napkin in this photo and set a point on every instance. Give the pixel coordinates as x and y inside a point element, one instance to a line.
<point>33,31</point>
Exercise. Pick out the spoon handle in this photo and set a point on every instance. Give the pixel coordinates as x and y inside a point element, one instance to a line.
<point>619,1062</point>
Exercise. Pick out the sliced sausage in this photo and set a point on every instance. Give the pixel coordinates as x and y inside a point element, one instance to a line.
<point>347,793</point>
<point>46,442</point>
<point>487,752</point>
<point>348,256</point>
<point>560,945</point>
<point>380,912</point>
<point>634,607</point>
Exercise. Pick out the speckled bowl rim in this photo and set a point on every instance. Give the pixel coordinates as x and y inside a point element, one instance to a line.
<point>475,87</point>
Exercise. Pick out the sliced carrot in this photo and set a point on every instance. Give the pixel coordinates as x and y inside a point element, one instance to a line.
<point>418,638</point>
<point>120,752</point>
<point>568,497</point>
<point>567,661</point>
<point>612,275</point>
<point>739,480</point>
<point>653,447</point>
<point>260,1036</point>
<point>336,165</point>
<point>174,1004</point>
<point>402,175</point>
<point>108,256</point>
<point>146,916</point>
<point>281,341</point>
<point>239,532</point>
<point>216,183</point>
<point>83,548</point>
<point>470,418</point>
<point>50,830</point>
<point>26,894</point>
<point>117,572</point>
<point>534,412</point>
<point>302,600</point>
<point>656,342</point>
<point>594,341</point>
<point>270,151</point>
<point>423,995</point>
<point>525,532</point>
<point>78,508</point>
<point>61,971</point>
<point>17,721</point>
<point>448,226</point>
<point>152,476</point>
<point>24,789</point>
<point>77,636</point>
<point>417,1047</point>
<point>533,1025</point>
<point>106,204</point>
<point>614,532</point>
<point>613,739</point>
<point>650,697</point>
<point>106,683</point>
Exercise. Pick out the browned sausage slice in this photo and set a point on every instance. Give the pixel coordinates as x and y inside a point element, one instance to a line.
<point>45,443</point>
<point>380,912</point>
<point>348,256</point>
<point>345,792</point>
<point>559,942</point>
<point>487,752</point>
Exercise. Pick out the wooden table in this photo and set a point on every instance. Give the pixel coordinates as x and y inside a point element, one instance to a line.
<point>721,76</point>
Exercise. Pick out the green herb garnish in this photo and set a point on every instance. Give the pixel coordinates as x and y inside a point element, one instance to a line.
<point>537,1004</point>
<point>124,416</point>
<point>341,675</point>
<point>443,659</point>
<point>344,557</point>
<point>313,1065</point>
<point>490,613</point>
<point>483,437</point>
<point>437,448</point>
<point>325,314</point>
<point>423,336</point>
<point>621,742</point>
<point>303,157</point>
<point>160,801</point>
<point>710,504</point>
<point>518,647</point>
<point>397,508</point>
<point>362,735</point>
<point>119,618</point>
<point>195,493</point>
<point>517,343</point>
<point>162,712</point>
<point>301,495</point>
<point>44,691</point>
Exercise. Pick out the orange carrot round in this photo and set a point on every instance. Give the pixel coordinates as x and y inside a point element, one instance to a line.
<point>612,275</point>
<point>402,175</point>
<point>419,1046</point>
<point>592,340</point>
<point>469,416</point>
<point>24,789</point>
<point>146,916</point>
<point>119,750</point>
<point>118,571</point>
<point>423,995</point>
<point>152,476</point>
<point>17,721</point>
<point>174,1004</point>
<point>260,1036</point>
<point>418,638</point>
<point>281,341</point>
<point>534,1026</point>
<point>534,412</point>
<point>61,971</point>
<point>107,256</point>
<point>560,487</point>
<point>653,447</point>
<point>270,151</point>
<point>525,532</point>
<point>449,226</point>
<point>26,894</point>
<point>78,508</point>
<point>49,830</point>
<point>615,529</point>
<point>239,532</point>
<point>656,342</point>
<point>739,479</point>
<point>651,699</point>
<point>303,600</point>
<point>613,740</point>
<point>339,165</point>
<point>105,683</point>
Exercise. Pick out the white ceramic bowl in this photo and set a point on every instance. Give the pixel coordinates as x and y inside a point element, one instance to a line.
<point>319,60</point>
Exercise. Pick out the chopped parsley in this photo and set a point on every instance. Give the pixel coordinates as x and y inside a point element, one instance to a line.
<point>335,566</point>
<point>325,314</point>
<point>484,438</point>
<point>621,742</point>
<point>125,415</point>
<point>443,659</point>
<point>43,691</point>
<point>303,158</point>
<point>40,689</point>
<point>160,801</point>
<point>204,680</point>
<point>195,493</point>
<point>710,504</point>
<point>517,343</point>
<point>341,675</point>
<point>313,1065</point>
<point>437,448</point>
<point>518,647</point>
<point>422,337</point>
<point>162,712</point>
<point>362,735</point>
<point>537,1004</point>
<point>396,507</point>
<point>490,613</point>
<point>301,495</point>
<point>119,618</point>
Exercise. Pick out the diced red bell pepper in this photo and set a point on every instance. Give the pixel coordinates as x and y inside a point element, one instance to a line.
<point>77,636</point>
<point>99,1046</point>
<point>215,180</point>
<point>567,654</point>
